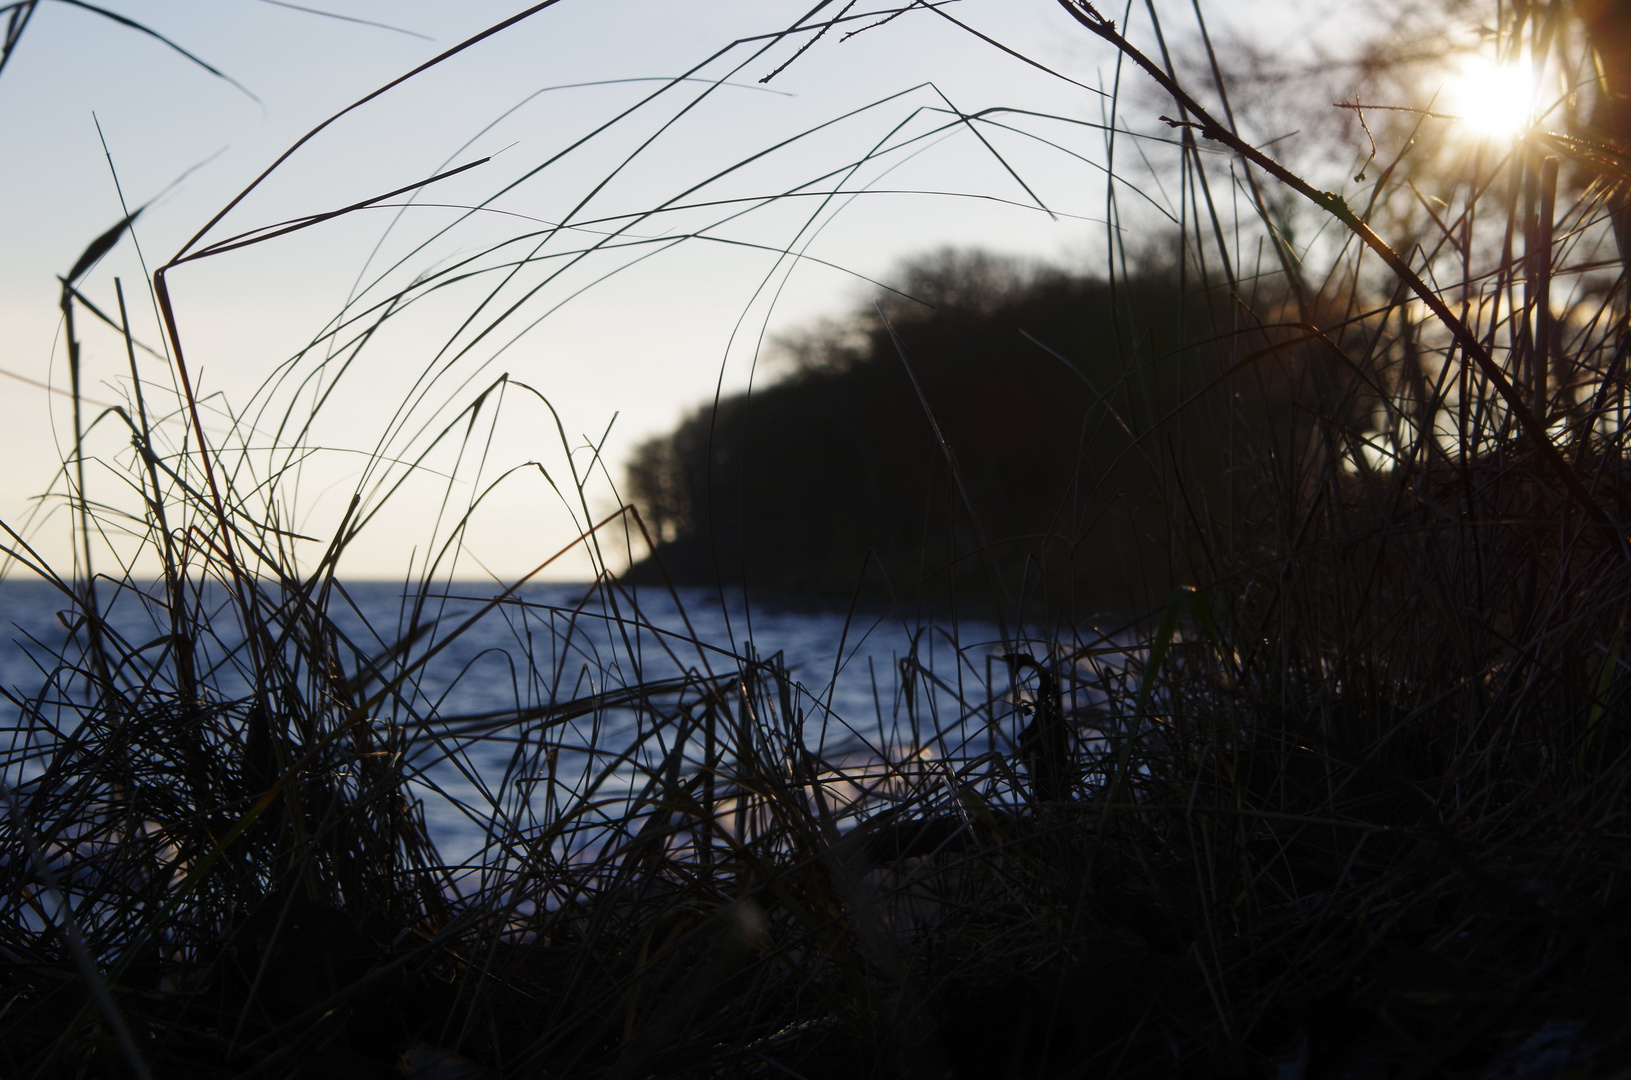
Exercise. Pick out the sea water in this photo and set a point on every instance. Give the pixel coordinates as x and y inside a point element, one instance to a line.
<point>486,670</point>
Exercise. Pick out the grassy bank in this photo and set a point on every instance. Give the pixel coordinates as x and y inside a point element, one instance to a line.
<point>1350,800</point>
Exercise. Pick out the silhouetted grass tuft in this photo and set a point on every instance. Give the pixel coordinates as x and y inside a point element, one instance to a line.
<point>1352,802</point>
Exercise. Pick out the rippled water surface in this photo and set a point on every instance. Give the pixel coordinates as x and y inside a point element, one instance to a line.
<point>483,685</point>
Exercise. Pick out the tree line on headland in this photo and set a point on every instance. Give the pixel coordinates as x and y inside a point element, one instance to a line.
<point>995,432</point>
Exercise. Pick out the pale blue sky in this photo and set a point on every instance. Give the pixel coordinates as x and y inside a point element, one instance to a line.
<point>646,344</point>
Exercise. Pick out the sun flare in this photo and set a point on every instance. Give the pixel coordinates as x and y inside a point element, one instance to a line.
<point>1492,99</point>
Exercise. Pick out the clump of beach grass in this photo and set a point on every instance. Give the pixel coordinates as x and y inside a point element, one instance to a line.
<point>1352,800</point>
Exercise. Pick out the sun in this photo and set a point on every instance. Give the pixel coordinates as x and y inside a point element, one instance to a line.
<point>1492,99</point>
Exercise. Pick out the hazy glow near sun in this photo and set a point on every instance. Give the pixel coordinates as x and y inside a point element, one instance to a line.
<point>1490,98</point>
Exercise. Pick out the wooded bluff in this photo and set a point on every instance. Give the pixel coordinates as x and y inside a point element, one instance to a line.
<point>1040,456</point>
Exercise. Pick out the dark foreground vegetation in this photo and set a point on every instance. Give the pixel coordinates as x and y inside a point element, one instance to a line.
<point>1352,802</point>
